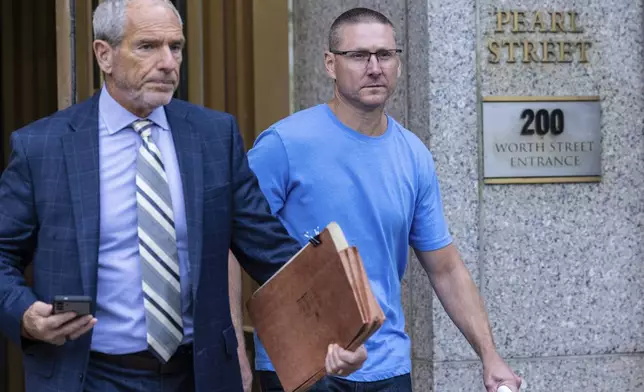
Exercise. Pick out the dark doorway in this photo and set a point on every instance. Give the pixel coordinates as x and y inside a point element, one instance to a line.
<point>28,91</point>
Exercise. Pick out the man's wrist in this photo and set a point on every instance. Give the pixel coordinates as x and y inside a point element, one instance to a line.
<point>23,331</point>
<point>489,354</point>
<point>25,334</point>
<point>241,344</point>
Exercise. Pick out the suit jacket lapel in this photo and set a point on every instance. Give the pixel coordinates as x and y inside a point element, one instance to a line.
<point>81,160</point>
<point>187,145</point>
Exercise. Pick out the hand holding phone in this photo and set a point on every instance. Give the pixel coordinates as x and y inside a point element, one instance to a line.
<point>60,322</point>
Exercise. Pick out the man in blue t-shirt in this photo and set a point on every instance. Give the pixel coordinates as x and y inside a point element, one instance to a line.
<point>347,161</point>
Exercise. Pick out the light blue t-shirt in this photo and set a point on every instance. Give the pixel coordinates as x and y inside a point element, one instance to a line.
<point>382,191</point>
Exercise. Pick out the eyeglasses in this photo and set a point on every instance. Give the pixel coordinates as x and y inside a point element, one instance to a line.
<point>386,57</point>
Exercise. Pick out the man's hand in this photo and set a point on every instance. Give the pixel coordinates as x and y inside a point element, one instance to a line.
<point>343,362</point>
<point>39,323</point>
<point>496,373</point>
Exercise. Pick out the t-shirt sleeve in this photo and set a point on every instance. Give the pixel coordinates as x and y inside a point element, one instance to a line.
<point>269,162</point>
<point>429,229</point>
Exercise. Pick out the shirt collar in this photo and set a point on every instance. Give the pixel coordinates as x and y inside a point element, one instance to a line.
<point>116,117</point>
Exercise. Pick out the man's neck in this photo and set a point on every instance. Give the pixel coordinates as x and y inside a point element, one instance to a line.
<point>367,122</point>
<point>117,95</point>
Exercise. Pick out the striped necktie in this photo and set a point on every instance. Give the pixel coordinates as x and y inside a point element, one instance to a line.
<point>157,248</point>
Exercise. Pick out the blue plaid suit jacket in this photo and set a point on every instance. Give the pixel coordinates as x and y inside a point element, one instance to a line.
<point>49,215</point>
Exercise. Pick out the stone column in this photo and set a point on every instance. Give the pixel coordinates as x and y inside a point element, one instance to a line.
<point>560,266</point>
<point>563,264</point>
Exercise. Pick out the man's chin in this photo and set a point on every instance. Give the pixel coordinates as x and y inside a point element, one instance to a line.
<point>374,101</point>
<point>157,98</point>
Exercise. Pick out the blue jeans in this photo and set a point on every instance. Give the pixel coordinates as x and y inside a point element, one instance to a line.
<point>107,377</point>
<point>269,382</point>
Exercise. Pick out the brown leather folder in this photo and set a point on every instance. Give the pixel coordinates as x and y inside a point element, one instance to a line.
<point>321,296</point>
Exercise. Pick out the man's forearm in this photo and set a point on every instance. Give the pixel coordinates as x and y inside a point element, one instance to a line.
<point>461,299</point>
<point>235,294</point>
<point>237,315</point>
<point>18,223</point>
<point>463,303</point>
<point>15,298</point>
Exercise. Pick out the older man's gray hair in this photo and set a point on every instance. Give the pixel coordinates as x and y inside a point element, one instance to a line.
<point>110,17</point>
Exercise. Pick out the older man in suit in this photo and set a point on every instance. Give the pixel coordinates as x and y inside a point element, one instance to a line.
<point>134,199</point>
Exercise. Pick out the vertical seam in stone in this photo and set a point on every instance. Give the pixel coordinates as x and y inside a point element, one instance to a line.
<point>427,91</point>
<point>410,286</point>
<point>479,133</point>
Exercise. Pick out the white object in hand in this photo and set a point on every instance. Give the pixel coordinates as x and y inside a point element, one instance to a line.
<point>503,388</point>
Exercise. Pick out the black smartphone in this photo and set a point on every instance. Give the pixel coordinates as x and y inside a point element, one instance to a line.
<point>81,304</point>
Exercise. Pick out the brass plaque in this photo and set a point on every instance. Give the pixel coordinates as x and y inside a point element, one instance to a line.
<point>541,139</point>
